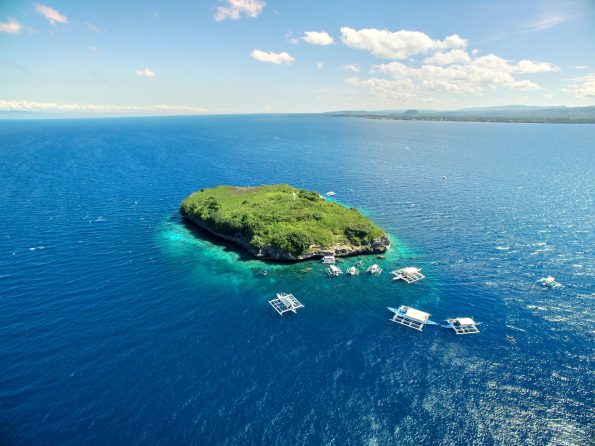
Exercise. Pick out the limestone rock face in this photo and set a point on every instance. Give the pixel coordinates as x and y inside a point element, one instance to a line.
<point>375,246</point>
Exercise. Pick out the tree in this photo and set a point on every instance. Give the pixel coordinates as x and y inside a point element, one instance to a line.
<point>294,242</point>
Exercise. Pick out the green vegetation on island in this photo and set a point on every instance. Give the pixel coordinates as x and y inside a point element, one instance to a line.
<point>283,223</point>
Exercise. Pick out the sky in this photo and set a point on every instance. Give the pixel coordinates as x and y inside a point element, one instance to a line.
<point>149,57</point>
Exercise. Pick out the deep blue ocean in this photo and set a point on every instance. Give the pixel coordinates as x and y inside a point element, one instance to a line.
<point>122,325</point>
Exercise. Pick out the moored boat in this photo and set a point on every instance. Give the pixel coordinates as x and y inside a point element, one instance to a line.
<point>353,271</point>
<point>334,271</point>
<point>285,302</point>
<point>409,274</point>
<point>462,325</point>
<point>411,317</point>
<point>374,269</point>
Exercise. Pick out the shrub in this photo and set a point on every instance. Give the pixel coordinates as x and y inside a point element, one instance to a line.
<point>357,234</point>
<point>295,243</point>
<point>308,195</point>
<point>212,205</point>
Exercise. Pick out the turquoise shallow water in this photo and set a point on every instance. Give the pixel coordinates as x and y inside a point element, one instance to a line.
<point>121,324</point>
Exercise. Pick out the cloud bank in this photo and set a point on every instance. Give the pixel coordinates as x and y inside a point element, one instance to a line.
<point>33,106</point>
<point>582,87</point>
<point>396,45</point>
<point>459,74</point>
<point>447,67</point>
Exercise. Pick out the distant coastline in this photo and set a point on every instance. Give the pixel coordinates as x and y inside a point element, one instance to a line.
<point>506,114</point>
<point>500,114</point>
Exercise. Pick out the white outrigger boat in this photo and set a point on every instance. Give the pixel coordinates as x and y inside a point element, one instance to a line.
<point>328,259</point>
<point>374,269</point>
<point>548,281</point>
<point>409,274</point>
<point>353,271</point>
<point>410,317</point>
<point>334,271</point>
<point>462,325</point>
<point>285,302</point>
<point>330,194</point>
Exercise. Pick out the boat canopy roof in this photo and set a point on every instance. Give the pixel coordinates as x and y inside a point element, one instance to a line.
<point>409,270</point>
<point>417,315</point>
<point>465,321</point>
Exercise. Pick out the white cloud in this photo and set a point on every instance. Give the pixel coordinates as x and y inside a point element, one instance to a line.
<point>51,14</point>
<point>448,58</point>
<point>145,73</point>
<point>546,22</point>
<point>291,38</point>
<point>235,8</point>
<point>318,38</point>
<point>98,108</point>
<point>11,27</point>
<point>581,67</point>
<point>93,28</point>
<point>531,66</point>
<point>396,45</point>
<point>523,85</point>
<point>453,41</point>
<point>320,65</point>
<point>276,58</point>
<point>582,87</point>
<point>354,68</point>
<point>386,89</point>
<point>457,74</point>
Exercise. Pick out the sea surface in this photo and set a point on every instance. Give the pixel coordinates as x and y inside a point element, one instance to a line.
<point>120,324</point>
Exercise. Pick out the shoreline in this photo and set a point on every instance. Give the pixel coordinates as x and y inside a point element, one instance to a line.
<point>272,254</point>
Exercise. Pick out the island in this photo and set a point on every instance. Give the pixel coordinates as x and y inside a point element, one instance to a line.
<point>282,223</point>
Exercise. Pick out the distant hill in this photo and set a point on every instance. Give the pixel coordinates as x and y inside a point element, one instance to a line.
<point>508,113</point>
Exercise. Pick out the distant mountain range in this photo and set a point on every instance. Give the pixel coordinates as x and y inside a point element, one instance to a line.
<point>507,113</point>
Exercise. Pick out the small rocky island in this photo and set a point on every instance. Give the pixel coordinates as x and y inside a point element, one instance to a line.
<point>280,222</point>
